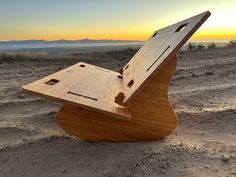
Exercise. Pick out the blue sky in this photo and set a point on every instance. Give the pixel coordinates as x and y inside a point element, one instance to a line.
<point>106,19</point>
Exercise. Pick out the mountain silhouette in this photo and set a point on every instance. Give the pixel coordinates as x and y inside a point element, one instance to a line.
<point>63,41</point>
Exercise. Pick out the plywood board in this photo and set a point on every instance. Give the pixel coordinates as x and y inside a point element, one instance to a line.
<point>152,115</point>
<point>94,88</point>
<point>163,44</point>
<point>83,85</point>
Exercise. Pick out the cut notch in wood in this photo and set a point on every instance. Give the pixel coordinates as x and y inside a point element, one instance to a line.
<point>119,99</point>
<point>52,82</point>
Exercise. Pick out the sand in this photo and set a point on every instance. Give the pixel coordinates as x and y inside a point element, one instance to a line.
<point>203,92</point>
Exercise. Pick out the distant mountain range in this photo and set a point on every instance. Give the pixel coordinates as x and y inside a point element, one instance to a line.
<point>62,41</point>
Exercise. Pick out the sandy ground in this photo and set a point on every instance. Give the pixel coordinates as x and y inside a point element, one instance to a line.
<point>203,92</point>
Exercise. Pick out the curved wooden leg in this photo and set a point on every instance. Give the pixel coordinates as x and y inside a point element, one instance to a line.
<point>152,115</point>
<point>94,126</point>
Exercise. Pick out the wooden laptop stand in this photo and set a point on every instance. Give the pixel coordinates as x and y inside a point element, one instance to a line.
<point>133,105</point>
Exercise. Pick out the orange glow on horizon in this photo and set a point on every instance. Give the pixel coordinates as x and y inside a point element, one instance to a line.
<point>210,35</point>
<point>201,35</point>
<point>112,19</point>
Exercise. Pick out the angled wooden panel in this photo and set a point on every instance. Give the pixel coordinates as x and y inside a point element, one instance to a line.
<point>83,85</point>
<point>163,44</point>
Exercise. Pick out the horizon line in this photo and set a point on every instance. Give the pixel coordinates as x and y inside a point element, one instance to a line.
<point>34,39</point>
<point>123,40</point>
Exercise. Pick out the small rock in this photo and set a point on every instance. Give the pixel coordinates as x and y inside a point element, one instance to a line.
<point>20,96</point>
<point>233,172</point>
<point>215,170</point>
<point>208,73</point>
<point>64,171</point>
<point>163,171</point>
<point>135,165</point>
<point>165,166</point>
<point>225,158</point>
<point>4,159</point>
<point>91,154</point>
<point>128,175</point>
<point>207,166</point>
<point>25,140</point>
<point>152,156</point>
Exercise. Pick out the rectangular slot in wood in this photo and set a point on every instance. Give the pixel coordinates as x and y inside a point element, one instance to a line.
<point>52,82</point>
<point>158,58</point>
<point>154,34</point>
<point>130,83</point>
<point>181,27</point>
<point>84,96</point>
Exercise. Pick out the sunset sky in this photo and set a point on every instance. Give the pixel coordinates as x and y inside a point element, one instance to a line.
<point>111,19</point>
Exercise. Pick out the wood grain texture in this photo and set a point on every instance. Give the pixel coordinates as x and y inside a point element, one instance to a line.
<point>89,86</point>
<point>152,115</point>
<point>101,106</point>
<point>163,44</point>
<point>96,89</point>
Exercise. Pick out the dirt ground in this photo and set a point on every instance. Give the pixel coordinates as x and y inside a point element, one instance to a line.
<point>203,93</point>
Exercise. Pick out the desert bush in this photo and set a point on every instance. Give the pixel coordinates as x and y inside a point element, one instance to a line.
<point>211,46</point>
<point>26,55</point>
<point>191,46</point>
<point>200,46</point>
<point>18,56</point>
<point>231,43</point>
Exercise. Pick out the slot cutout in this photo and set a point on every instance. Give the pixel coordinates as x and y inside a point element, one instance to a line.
<point>158,58</point>
<point>181,27</point>
<point>82,65</point>
<point>130,83</point>
<point>52,82</point>
<point>120,76</point>
<point>154,34</point>
<point>126,67</point>
<point>84,96</point>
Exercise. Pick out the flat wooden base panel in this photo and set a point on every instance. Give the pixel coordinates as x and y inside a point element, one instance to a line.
<point>152,116</point>
<point>83,85</point>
